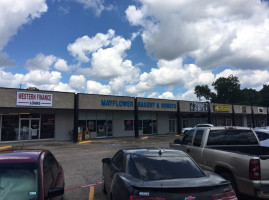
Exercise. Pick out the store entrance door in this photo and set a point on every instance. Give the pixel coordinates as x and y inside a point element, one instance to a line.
<point>29,129</point>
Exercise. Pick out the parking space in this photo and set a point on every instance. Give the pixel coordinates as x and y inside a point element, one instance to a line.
<point>82,162</point>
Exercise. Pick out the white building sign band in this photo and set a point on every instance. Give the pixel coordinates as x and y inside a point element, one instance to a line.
<point>34,99</point>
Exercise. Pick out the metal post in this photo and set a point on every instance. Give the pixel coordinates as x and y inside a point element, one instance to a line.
<point>252,117</point>
<point>136,122</point>
<point>179,118</point>
<point>233,116</point>
<point>209,117</point>
<point>75,131</point>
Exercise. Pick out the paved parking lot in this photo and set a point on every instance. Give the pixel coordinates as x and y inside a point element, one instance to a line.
<point>82,163</point>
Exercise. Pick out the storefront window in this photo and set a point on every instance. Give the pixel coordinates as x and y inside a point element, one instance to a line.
<point>10,127</point>
<point>47,126</point>
<point>104,128</point>
<point>128,125</point>
<point>91,125</point>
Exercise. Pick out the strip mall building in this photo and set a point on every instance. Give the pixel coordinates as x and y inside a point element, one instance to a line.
<point>27,115</point>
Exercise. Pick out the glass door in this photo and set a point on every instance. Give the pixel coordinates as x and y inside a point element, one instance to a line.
<point>29,129</point>
<point>24,129</point>
<point>34,131</point>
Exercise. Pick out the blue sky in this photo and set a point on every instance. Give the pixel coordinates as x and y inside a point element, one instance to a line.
<point>145,48</point>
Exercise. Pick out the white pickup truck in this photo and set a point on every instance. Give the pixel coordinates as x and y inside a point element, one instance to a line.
<point>234,153</point>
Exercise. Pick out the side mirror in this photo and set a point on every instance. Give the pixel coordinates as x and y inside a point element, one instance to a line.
<point>177,141</point>
<point>55,192</point>
<point>106,160</point>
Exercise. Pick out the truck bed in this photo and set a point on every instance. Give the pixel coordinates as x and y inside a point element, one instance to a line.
<point>260,151</point>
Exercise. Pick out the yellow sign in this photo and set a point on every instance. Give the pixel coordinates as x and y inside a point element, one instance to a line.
<point>222,108</point>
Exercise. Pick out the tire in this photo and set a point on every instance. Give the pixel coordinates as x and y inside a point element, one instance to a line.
<point>228,176</point>
<point>104,185</point>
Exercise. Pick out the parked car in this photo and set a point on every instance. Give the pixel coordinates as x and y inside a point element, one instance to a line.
<point>30,174</point>
<point>204,125</point>
<point>160,174</point>
<point>263,135</point>
<point>234,153</point>
<point>184,130</point>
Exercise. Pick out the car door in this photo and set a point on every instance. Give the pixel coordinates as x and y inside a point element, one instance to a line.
<point>187,141</point>
<point>116,165</point>
<point>195,151</point>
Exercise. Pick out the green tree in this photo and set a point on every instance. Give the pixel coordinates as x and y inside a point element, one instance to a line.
<point>202,91</point>
<point>265,95</point>
<point>250,97</point>
<point>32,88</point>
<point>228,89</point>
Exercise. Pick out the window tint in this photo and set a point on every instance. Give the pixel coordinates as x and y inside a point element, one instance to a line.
<point>117,160</point>
<point>231,137</point>
<point>53,165</point>
<point>262,136</point>
<point>132,170</point>
<point>198,138</point>
<point>48,179</point>
<point>188,137</point>
<point>163,167</point>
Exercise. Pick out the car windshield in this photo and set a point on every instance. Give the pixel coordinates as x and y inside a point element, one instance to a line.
<point>19,180</point>
<point>163,168</point>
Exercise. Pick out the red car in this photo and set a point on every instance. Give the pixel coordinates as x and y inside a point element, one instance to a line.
<point>30,175</point>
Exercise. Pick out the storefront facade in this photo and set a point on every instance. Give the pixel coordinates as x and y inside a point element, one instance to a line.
<point>27,115</point>
<point>35,115</point>
<point>194,113</point>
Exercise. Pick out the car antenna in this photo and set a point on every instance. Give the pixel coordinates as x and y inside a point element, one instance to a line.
<point>160,152</point>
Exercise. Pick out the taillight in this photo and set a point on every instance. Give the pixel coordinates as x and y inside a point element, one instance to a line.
<point>225,196</point>
<point>254,169</point>
<point>145,198</point>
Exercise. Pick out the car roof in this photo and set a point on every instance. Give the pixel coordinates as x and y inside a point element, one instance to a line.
<point>152,151</point>
<point>20,156</point>
<point>224,127</point>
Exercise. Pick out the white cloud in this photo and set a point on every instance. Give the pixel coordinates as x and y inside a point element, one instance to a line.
<point>42,79</point>
<point>85,45</point>
<point>248,78</point>
<point>215,33</point>
<point>5,61</point>
<point>78,82</point>
<point>10,80</point>
<point>171,73</point>
<point>61,65</point>
<point>97,5</point>
<point>108,63</point>
<point>94,87</point>
<point>165,95</point>
<point>40,62</point>
<point>15,13</point>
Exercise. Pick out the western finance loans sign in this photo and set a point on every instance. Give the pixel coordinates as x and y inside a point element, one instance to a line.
<point>34,99</point>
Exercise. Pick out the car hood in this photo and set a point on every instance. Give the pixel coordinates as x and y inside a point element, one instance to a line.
<point>207,181</point>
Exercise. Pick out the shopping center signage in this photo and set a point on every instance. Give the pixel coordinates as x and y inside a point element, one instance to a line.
<point>199,107</point>
<point>34,99</point>
<point>140,104</point>
<point>222,108</point>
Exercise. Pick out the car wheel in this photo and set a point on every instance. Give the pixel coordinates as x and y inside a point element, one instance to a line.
<point>228,176</point>
<point>104,186</point>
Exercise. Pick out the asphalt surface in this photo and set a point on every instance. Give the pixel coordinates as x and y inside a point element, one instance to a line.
<point>82,162</point>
